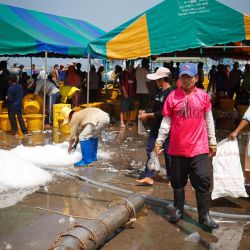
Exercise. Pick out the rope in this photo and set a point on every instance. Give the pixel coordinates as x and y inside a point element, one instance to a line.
<point>130,208</point>
<point>68,234</point>
<point>75,216</point>
<point>68,215</point>
<point>91,237</point>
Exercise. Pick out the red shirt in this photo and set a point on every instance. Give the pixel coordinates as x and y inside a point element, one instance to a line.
<point>127,79</point>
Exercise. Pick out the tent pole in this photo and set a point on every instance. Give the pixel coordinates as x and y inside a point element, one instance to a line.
<point>31,66</point>
<point>106,70</point>
<point>44,88</point>
<point>151,64</point>
<point>88,68</point>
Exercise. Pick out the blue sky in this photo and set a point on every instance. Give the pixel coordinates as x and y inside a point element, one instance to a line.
<point>106,14</point>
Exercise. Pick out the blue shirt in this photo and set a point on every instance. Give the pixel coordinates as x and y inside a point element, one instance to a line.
<point>61,75</point>
<point>15,96</point>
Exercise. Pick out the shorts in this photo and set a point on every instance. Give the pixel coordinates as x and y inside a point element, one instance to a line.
<point>127,104</point>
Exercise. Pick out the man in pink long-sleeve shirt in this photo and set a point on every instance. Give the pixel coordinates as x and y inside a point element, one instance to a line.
<point>188,116</point>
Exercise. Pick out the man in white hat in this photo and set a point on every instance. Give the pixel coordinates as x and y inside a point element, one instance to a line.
<point>85,126</point>
<point>163,78</point>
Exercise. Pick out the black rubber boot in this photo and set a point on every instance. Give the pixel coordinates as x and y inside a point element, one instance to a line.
<point>179,199</point>
<point>202,200</point>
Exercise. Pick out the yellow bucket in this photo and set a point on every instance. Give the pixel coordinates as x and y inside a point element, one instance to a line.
<point>1,105</point>
<point>31,97</point>
<point>58,107</point>
<point>64,129</point>
<point>5,123</point>
<point>56,137</point>
<point>134,113</point>
<point>34,122</point>
<point>57,112</point>
<point>31,107</point>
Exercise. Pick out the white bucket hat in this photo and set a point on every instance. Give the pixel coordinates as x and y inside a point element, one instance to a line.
<point>160,73</point>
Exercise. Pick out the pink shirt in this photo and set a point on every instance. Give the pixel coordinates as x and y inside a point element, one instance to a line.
<point>188,132</point>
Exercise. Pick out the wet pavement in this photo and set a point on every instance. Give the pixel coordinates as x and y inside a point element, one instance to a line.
<point>42,214</point>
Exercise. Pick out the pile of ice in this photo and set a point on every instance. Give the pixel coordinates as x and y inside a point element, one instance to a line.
<point>22,166</point>
<point>17,173</point>
<point>55,155</point>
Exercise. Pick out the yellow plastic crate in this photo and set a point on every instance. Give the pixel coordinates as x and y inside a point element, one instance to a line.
<point>34,122</point>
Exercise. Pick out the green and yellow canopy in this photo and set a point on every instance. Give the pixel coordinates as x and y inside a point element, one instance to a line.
<point>174,25</point>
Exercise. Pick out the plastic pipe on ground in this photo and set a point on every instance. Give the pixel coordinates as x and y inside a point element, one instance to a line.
<point>94,233</point>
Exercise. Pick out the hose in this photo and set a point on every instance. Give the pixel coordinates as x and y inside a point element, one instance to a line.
<point>148,198</point>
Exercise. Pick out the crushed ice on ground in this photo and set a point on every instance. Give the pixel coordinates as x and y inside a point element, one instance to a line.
<point>61,220</point>
<point>17,173</point>
<point>71,220</point>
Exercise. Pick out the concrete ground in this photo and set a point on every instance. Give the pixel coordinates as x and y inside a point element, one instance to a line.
<point>37,220</point>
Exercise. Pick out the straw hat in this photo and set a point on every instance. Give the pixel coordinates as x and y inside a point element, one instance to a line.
<point>65,113</point>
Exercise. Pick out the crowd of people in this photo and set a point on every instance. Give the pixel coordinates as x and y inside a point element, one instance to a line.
<point>172,98</point>
<point>228,83</point>
<point>61,82</point>
<point>132,82</point>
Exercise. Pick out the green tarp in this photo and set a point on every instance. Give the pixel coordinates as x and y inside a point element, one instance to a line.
<point>25,32</point>
<point>174,25</point>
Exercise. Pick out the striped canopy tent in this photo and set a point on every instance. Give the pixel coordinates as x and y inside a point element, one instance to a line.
<point>29,32</point>
<point>172,26</point>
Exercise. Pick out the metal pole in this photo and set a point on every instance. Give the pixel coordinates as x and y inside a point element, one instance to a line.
<point>94,233</point>
<point>88,68</point>
<point>151,64</point>
<point>106,72</point>
<point>31,66</point>
<point>45,86</point>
